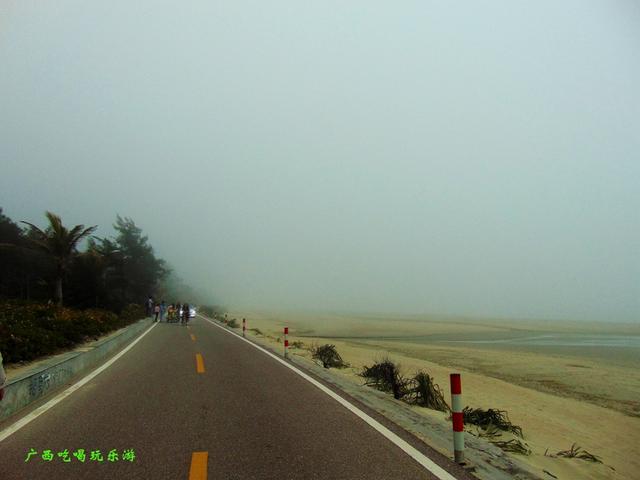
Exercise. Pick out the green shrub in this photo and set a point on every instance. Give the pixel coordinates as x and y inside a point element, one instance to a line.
<point>132,313</point>
<point>30,330</point>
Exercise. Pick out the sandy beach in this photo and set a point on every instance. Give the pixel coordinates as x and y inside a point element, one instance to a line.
<point>562,382</point>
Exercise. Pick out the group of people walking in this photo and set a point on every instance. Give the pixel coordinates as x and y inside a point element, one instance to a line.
<point>174,312</point>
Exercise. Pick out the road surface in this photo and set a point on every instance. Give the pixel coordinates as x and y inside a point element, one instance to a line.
<point>200,403</point>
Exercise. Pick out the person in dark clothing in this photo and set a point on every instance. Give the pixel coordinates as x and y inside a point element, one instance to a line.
<point>185,313</point>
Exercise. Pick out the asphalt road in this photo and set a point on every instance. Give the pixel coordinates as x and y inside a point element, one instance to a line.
<point>232,413</point>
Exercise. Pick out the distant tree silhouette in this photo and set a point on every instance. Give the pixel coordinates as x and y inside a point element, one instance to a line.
<point>140,272</point>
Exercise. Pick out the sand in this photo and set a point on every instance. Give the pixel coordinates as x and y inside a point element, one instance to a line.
<point>558,395</point>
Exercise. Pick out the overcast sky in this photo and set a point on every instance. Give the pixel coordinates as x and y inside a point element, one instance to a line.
<point>477,158</point>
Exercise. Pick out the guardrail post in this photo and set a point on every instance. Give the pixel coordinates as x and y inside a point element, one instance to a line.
<point>244,326</point>
<point>286,342</point>
<point>457,417</point>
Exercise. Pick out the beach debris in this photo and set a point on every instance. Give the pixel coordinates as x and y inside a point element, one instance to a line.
<point>385,376</point>
<point>328,356</point>
<point>514,446</point>
<point>257,331</point>
<point>549,473</point>
<point>575,452</point>
<point>232,323</point>
<point>423,391</point>
<point>489,432</point>
<point>491,417</point>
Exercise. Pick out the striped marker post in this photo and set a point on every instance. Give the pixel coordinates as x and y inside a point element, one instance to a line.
<point>244,326</point>
<point>286,342</point>
<point>458,420</point>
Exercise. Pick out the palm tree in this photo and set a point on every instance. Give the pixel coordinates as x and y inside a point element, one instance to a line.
<point>60,243</point>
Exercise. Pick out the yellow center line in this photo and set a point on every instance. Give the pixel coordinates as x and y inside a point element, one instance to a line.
<point>193,337</point>
<point>199,363</point>
<point>198,470</point>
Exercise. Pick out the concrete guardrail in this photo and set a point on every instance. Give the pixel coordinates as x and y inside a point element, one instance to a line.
<point>45,378</point>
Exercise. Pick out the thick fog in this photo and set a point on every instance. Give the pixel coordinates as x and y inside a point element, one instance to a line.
<point>477,158</point>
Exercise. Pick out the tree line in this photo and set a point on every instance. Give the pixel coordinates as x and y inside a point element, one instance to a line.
<point>46,264</point>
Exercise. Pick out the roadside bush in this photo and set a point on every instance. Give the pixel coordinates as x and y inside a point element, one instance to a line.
<point>385,376</point>
<point>328,355</point>
<point>132,313</point>
<point>423,391</point>
<point>30,330</point>
<point>232,323</point>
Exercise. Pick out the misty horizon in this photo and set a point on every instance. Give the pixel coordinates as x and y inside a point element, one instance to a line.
<point>423,160</point>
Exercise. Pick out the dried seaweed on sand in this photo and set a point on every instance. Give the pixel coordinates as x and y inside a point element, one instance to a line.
<point>485,418</point>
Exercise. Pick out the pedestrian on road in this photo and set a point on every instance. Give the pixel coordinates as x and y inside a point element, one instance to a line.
<point>3,378</point>
<point>163,310</point>
<point>149,306</point>
<point>156,311</point>
<point>185,313</point>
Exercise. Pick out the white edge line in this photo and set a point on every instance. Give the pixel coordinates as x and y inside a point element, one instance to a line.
<point>418,456</point>
<point>61,396</point>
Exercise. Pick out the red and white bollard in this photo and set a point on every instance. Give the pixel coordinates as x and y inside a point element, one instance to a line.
<point>286,342</point>
<point>244,326</point>
<point>458,419</point>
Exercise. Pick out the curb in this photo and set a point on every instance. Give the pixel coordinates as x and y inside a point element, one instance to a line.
<point>33,385</point>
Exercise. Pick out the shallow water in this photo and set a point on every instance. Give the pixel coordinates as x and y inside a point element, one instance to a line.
<point>561,340</point>
<point>622,350</point>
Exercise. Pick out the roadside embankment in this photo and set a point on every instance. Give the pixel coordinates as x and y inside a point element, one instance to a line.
<point>28,384</point>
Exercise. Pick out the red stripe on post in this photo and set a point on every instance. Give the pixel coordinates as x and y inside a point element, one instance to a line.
<point>458,422</point>
<point>286,343</point>
<point>456,384</point>
<point>286,330</point>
